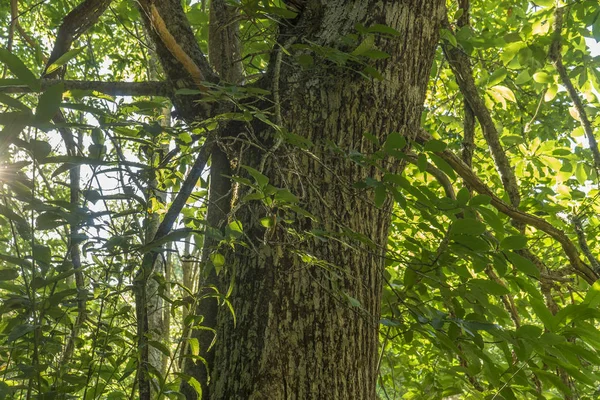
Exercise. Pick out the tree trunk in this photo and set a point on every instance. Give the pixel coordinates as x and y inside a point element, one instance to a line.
<point>298,330</point>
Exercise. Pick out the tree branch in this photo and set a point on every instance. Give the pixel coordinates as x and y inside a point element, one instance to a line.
<point>585,249</point>
<point>14,14</point>
<point>74,24</point>
<point>459,63</point>
<point>579,267</point>
<point>438,174</point>
<point>150,88</point>
<point>178,52</point>
<point>224,51</point>
<point>139,286</point>
<point>176,45</point>
<point>468,142</point>
<point>224,48</point>
<point>556,58</point>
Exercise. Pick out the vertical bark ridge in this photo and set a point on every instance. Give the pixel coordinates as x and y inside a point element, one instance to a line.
<point>296,333</point>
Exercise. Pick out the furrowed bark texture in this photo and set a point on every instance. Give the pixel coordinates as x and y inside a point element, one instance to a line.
<point>208,307</point>
<point>176,25</point>
<point>224,55</point>
<point>295,334</point>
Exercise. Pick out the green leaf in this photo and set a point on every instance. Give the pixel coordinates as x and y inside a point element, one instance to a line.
<point>285,196</point>
<point>530,332</point>
<point>410,277</point>
<point>18,68</point>
<point>371,72</point>
<point>489,287</point>
<point>267,222</point>
<point>443,165</point>
<point>544,3</point>
<point>515,242</point>
<point>394,141</point>
<point>435,146</point>
<point>8,274</point>
<point>380,195</point>
<point>492,219</point>
<point>474,243</point>
<point>49,103</point>
<point>468,226</point>
<point>39,148</point>
<point>542,77</point>
<point>19,331</point>
<point>14,103</point>
<point>480,199</point>
<point>551,93</point>
<point>15,260</point>
<point>463,196</point>
<point>367,44</point>
<point>62,60</point>
<point>592,297</point>
<point>217,259</point>
<point>505,93</point>
<point>306,60</point>
<point>542,312</point>
<point>160,347</point>
<point>497,77</point>
<point>193,382</point>
<point>448,36</point>
<point>596,29</point>
<point>523,264</point>
<point>380,28</point>
<point>353,302</point>
<point>523,77</point>
<point>422,162</point>
<point>194,346</point>
<point>42,254</point>
<point>260,179</point>
<point>21,223</point>
<point>235,229</point>
<point>580,174</point>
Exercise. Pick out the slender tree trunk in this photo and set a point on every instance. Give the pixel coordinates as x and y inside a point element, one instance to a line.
<point>224,56</point>
<point>298,330</point>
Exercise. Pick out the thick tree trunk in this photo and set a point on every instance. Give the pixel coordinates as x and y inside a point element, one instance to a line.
<point>297,332</point>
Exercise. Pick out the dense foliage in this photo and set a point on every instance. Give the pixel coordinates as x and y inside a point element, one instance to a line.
<point>488,294</point>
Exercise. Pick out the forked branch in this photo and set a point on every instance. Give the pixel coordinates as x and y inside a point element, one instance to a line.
<point>467,174</point>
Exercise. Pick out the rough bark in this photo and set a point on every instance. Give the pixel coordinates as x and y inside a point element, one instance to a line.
<point>224,50</point>
<point>166,19</point>
<point>296,334</point>
<point>209,286</point>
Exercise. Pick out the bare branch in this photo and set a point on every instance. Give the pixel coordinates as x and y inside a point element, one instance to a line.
<point>150,88</point>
